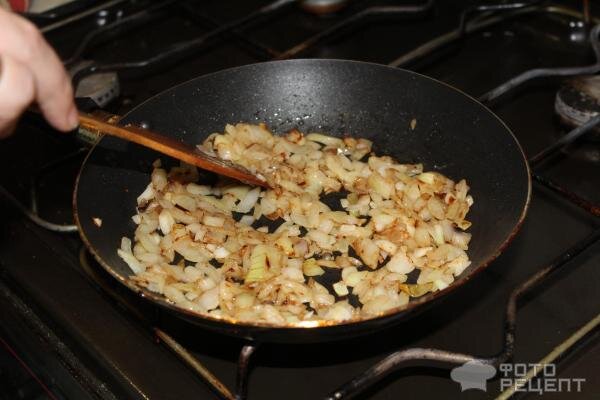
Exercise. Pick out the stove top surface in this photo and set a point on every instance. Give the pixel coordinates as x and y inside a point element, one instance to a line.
<point>109,350</point>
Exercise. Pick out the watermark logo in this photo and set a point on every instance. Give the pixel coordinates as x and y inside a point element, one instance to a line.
<point>473,375</point>
<point>521,377</point>
<point>518,377</point>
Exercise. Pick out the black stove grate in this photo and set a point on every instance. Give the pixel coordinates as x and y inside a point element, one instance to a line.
<point>395,360</point>
<point>472,19</point>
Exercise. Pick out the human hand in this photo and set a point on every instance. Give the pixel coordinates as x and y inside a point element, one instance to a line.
<point>30,71</point>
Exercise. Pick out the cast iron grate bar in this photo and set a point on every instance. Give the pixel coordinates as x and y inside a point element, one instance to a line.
<point>538,73</point>
<point>181,352</point>
<point>139,17</point>
<point>81,15</point>
<point>574,198</point>
<point>389,364</point>
<point>565,140</point>
<point>47,168</point>
<point>486,8</point>
<point>521,9</point>
<point>219,388</point>
<point>465,27</point>
<point>395,360</point>
<point>149,14</point>
<point>475,25</point>
<point>84,376</point>
<point>548,152</point>
<point>31,212</point>
<point>354,19</point>
<point>130,21</point>
<point>34,217</point>
<point>61,12</point>
<point>243,372</point>
<point>179,49</point>
<point>556,355</point>
<point>261,51</point>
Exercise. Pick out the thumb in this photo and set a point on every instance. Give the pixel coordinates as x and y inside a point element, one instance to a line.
<point>17,90</point>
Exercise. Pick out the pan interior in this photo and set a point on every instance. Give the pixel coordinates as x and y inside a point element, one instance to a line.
<point>453,134</point>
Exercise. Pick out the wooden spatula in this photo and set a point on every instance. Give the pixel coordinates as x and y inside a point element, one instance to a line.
<point>101,123</point>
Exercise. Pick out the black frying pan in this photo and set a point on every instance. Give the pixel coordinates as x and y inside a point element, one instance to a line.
<point>454,134</point>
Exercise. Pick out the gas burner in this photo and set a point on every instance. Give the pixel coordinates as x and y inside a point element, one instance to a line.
<point>578,101</point>
<point>322,7</point>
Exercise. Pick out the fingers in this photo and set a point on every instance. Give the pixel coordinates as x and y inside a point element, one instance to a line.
<point>17,88</point>
<point>52,86</point>
<point>53,91</point>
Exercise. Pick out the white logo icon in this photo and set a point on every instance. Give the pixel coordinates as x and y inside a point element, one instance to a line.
<point>473,375</point>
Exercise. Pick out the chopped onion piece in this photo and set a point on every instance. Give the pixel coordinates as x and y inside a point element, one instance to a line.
<point>131,261</point>
<point>244,300</point>
<point>368,252</point>
<point>221,252</point>
<point>440,284</point>
<point>427,177</point>
<point>249,200</point>
<point>400,263</point>
<point>416,290</point>
<point>324,139</point>
<point>238,191</point>
<point>185,202</point>
<point>209,300</point>
<point>355,277</point>
<point>378,305</point>
<point>159,178</point>
<point>195,189</point>
<point>386,246</point>
<point>147,195</point>
<point>258,264</point>
<point>166,221</point>
<point>393,213</point>
<point>311,268</point>
<point>340,288</point>
<point>437,233</point>
<point>174,294</point>
<point>247,220</point>
<point>340,311</point>
<point>347,271</point>
<point>380,185</point>
<point>213,221</point>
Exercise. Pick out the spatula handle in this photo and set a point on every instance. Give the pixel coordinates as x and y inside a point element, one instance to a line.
<point>106,124</point>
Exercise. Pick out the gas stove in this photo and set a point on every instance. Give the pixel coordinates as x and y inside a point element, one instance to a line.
<point>70,331</point>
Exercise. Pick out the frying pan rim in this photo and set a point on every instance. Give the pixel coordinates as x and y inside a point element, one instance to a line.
<point>312,325</point>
